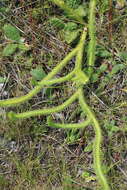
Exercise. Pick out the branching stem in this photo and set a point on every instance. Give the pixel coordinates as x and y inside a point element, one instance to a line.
<point>34,91</point>
<point>97,142</point>
<point>69,125</point>
<point>80,78</point>
<point>45,111</point>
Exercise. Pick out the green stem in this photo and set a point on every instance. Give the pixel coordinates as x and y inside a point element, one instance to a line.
<point>97,142</point>
<point>45,111</point>
<point>81,45</point>
<point>80,75</point>
<point>81,78</point>
<point>69,125</point>
<point>58,80</point>
<point>92,43</point>
<point>34,91</point>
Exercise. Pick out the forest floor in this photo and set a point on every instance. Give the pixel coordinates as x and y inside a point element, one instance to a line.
<point>34,156</point>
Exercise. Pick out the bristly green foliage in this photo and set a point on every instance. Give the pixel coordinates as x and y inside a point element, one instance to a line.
<point>56,22</point>
<point>104,5</point>
<point>80,78</point>
<point>73,3</point>
<point>92,43</point>
<point>75,14</point>
<point>70,31</point>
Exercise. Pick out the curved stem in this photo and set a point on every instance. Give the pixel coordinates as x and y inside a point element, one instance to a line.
<point>97,142</point>
<point>58,80</point>
<point>45,111</point>
<point>81,79</point>
<point>35,90</point>
<point>69,125</point>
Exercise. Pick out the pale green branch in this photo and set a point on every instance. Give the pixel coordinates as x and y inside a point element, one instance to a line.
<point>92,43</point>
<point>97,142</point>
<point>45,111</point>
<point>68,125</point>
<point>35,90</point>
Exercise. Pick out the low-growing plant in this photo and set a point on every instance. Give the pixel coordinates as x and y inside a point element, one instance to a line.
<point>80,78</point>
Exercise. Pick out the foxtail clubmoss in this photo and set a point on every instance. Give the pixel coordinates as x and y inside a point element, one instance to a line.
<point>80,78</point>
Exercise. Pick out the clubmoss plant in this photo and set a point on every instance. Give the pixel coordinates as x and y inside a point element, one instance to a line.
<point>80,78</point>
<point>92,43</point>
<point>72,13</point>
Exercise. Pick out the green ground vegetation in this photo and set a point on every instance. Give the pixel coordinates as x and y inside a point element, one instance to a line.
<point>35,37</point>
